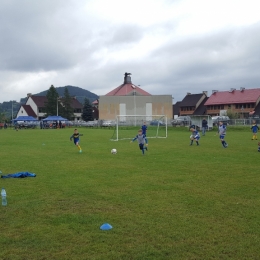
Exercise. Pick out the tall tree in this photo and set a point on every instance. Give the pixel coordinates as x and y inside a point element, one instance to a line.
<point>52,106</point>
<point>2,116</point>
<point>87,111</point>
<point>67,111</point>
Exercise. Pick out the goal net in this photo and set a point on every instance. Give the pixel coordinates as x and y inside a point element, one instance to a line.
<point>127,126</point>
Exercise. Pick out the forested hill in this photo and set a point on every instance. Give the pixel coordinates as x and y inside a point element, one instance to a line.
<point>80,93</point>
<point>9,107</point>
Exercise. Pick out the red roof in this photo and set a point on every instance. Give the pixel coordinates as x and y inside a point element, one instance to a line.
<point>39,100</point>
<point>29,110</point>
<point>126,90</point>
<point>234,97</point>
<point>75,103</point>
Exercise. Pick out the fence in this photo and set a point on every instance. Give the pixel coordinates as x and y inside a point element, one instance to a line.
<point>240,122</point>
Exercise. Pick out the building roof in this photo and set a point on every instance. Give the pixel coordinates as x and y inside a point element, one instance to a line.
<point>176,108</point>
<point>127,88</point>
<point>75,103</point>
<point>39,100</point>
<point>28,110</point>
<point>191,100</point>
<point>233,97</point>
<point>257,109</point>
<point>201,109</point>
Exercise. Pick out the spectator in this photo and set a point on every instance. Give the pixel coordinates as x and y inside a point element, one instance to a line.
<point>204,126</point>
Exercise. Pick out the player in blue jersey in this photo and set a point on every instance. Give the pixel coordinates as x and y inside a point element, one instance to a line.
<point>142,141</point>
<point>254,129</point>
<point>75,138</point>
<point>222,133</point>
<point>144,128</point>
<point>194,136</point>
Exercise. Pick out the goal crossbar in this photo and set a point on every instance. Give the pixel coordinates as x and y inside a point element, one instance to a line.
<point>157,126</point>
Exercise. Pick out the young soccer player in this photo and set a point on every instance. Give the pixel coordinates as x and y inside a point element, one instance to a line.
<point>144,128</point>
<point>254,129</point>
<point>194,136</point>
<point>142,141</point>
<point>222,132</point>
<point>75,137</point>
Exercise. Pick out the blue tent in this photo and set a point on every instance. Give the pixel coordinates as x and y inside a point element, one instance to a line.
<point>54,118</point>
<point>24,118</point>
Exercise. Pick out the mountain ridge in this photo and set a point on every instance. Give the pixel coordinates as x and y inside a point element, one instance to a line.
<point>74,91</point>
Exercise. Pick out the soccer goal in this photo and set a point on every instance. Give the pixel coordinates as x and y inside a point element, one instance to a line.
<point>127,126</point>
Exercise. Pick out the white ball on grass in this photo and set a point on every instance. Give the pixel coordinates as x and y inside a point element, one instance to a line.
<point>113,151</point>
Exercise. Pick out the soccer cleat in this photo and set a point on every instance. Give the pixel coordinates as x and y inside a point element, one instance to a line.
<point>146,149</point>
<point>80,151</point>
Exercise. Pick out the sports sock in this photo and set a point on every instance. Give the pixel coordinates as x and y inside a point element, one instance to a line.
<point>191,142</point>
<point>197,142</point>
<point>79,147</point>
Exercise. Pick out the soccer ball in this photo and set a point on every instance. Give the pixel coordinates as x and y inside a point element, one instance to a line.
<point>114,151</point>
<point>191,136</point>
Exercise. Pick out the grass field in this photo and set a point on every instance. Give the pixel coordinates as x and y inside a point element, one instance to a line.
<point>175,202</point>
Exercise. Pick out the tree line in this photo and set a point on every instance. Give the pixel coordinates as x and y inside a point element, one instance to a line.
<point>63,105</point>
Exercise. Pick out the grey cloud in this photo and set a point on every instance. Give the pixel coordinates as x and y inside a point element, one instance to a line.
<point>31,39</point>
<point>219,60</point>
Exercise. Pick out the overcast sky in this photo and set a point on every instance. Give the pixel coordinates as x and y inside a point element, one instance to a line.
<point>170,46</point>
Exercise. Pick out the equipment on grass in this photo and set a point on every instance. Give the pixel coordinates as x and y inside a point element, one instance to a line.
<point>127,126</point>
<point>114,151</point>
<point>106,226</point>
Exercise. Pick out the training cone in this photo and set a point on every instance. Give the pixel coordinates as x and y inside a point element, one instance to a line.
<point>106,226</point>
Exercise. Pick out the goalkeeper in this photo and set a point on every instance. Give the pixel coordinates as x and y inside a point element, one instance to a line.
<point>142,141</point>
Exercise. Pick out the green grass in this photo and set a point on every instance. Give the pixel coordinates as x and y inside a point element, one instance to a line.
<point>176,202</point>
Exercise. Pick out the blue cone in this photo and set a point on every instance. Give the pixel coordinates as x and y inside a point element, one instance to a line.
<point>106,226</point>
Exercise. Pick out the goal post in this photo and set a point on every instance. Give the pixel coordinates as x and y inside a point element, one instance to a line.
<point>127,126</point>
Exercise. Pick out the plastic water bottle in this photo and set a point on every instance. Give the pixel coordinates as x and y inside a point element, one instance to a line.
<point>3,194</point>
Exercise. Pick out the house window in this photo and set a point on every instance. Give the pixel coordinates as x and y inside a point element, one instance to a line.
<point>229,106</point>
